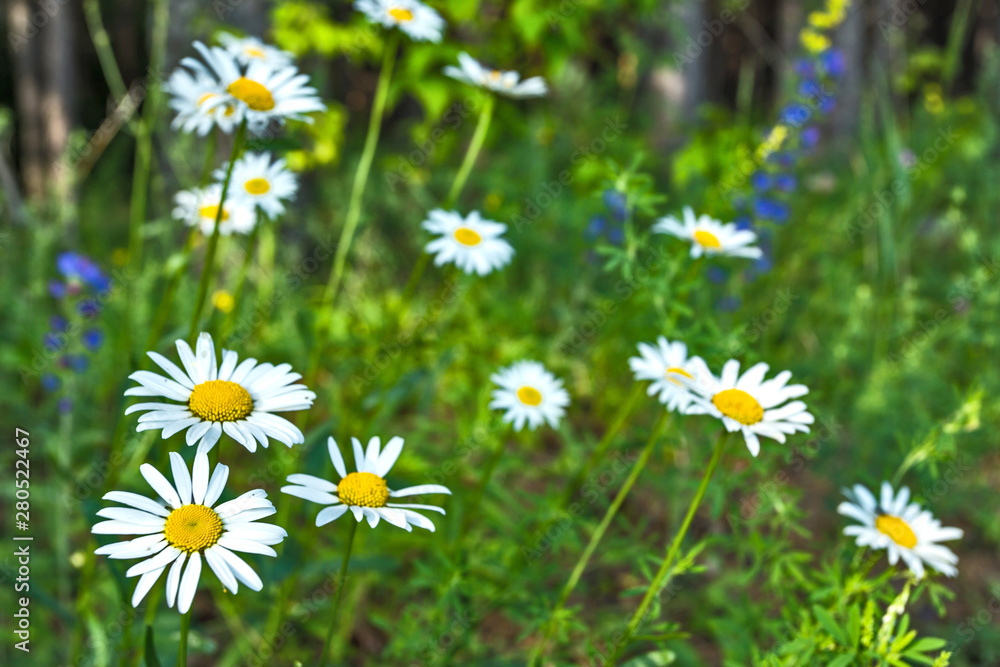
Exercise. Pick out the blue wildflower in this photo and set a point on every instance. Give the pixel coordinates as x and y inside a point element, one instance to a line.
<point>58,323</point>
<point>596,226</point>
<point>616,235</point>
<point>743,221</point>
<point>760,181</point>
<point>57,289</point>
<point>785,182</point>
<point>93,339</point>
<point>810,137</point>
<point>76,362</point>
<point>717,274</point>
<point>50,382</point>
<point>833,62</point>
<point>769,209</point>
<point>616,203</point>
<point>65,405</point>
<point>53,341</point>
<point>88,308</point>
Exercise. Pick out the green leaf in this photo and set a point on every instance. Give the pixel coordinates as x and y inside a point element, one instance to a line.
<point>825,619</point>
<point>925,644</point>
<point>150,651</point>
<point>843,660</point>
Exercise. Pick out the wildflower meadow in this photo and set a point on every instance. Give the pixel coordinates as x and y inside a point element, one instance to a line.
<point>623,332</point>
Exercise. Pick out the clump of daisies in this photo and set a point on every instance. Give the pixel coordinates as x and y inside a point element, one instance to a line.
<point>709,236</point>
<point>529,394</point>
<point>902,528</point>
<point>210,398</point>
<point>666,365</point>
<point>472,244</point>
<point>417,21</point>
<point>365,493</point>
<point>507,83</point>
<point>183,528</point>
<point>246,80</point>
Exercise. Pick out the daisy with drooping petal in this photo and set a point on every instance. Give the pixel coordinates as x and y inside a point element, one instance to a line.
<point>365,492</point>
<point>184,527</point>
<point>507,83</point>
<point>709,236</point>
<point>665,364</point>
<point>748,403</point>
<point>902,528</point>
<point>264,93</point>
<point>191,94</point>
<point>200,206</point>
<point>250,49</point>
<point>236,398</point>
<point>471,243</point>
<point>529,393</point>
<point>416,19</point>
<point>259,182</point>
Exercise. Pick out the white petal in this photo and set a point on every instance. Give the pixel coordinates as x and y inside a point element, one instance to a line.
<point>142,586</point>
<point>189,583</point>
<point>388,456</point>
<point>160,484</point>
<point>221,569</point>
<point>216,485</point>
<point>174,578</point>
<point>335,456</point>
<point>328,514</point>
<point>419,489</point>
<point>182,478</point>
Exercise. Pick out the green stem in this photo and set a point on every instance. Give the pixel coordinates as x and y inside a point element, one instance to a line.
<point>602,447</point>
<point>213,241</point>
<point>484,481</point>
<point>182,647</point>
<point>662,577</point>
<point>595,539</point>
<point>361,173</point>
<point>242,276</point>
<point>102,45</point>
<point>478,137</point>
<point>341,581</point>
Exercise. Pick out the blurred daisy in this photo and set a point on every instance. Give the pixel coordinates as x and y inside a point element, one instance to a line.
<point>190,96</point>
<point>665,364</point>
<point>183,527</point>
<point>902,528</point>
<point>259,182</point>
<point>250,49</point>
<point>200,206</point>
<point>264,92</point>
<point>507,83</point>
<point>365,492</point>
<point>749,404</point>
<point>471,243</point>
<point>709,236</point>
<point>416,19</point>
<point>529,393</point>
<point>236,399</point>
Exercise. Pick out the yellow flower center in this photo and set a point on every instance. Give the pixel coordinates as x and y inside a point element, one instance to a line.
<point>256,96</point>
<point>192,528</point>
<point>739,405</point>
<point>254,52</point>
<point>220,401</point>
<point>897,530</point>
<point>401,14</point>
<point>529,396</point>
<point>466,236</point>
<point>675,370</point>
<point>204,98</point>
<point>211,212</point>
<point>363,489</point>
<point>707,239</point>
<point>257,186</point>
<point>495,75</point>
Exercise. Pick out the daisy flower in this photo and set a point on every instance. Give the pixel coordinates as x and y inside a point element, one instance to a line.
<point>250,49</point>
<point>417,20</point>
<point>190,95</point>
<point>507,83</point>
<point>665,364</point>
<point>183,527</point>
<point>471,243</point>
<point>901,527</point>
<point>529,393</point>
<point>200,206</point>
<point>365,492</point>
<point>259,182</point>
<point>709,236</point>
<point>263,93</point>
<point>749,404</point>
<point>238,399</point>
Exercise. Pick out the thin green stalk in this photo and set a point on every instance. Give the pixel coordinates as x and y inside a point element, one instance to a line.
<point>102,45</point>
<point>662,577</point>
<point>242,276</point>
<point>182,647</point>
<point>457,184</point>
<point>484,481</point>
<point>602,447</point>
<point>361,173</point>
<point>595,539</point>
<point>341,581</point>
<point>213,241</point>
